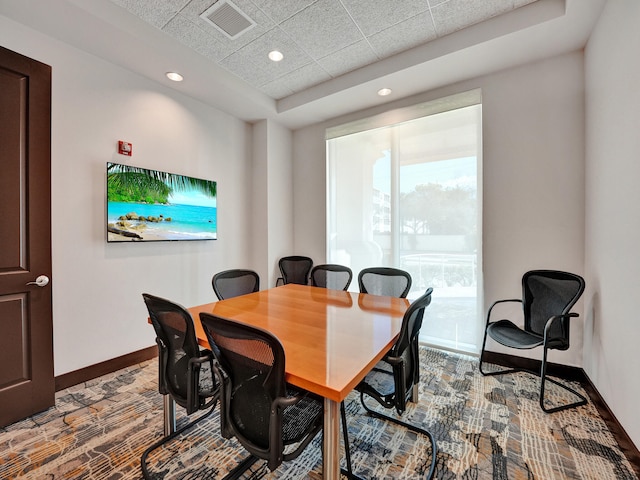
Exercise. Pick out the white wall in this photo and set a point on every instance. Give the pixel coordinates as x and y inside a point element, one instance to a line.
<point>533,174</point>
<point>309,193</point>
<point>612,330</point>
<point>260,202</point>
<point>98,312</point>
<point>272,194</point>
<point>280,225</point>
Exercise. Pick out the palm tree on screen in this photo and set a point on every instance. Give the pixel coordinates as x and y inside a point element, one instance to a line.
<point>127,183</point>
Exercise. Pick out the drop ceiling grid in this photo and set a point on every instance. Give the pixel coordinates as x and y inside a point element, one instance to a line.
<point>321,39</point>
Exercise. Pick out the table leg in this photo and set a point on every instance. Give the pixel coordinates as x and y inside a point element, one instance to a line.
<point>331,463</point>
<point>169,415</point>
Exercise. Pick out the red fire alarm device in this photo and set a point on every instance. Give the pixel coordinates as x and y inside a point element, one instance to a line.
<point>124,148</point>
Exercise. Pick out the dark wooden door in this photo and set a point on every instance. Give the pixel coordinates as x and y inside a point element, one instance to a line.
<point>26,333</point>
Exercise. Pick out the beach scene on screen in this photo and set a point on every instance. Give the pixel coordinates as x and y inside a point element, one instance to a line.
<point>150,205</point>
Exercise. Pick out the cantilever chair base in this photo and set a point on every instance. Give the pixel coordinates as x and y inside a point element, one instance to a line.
<point>242,467</point>
<point>350,475</point>
<point>234,474</point>
<point>168,438</point>
<point>348,472</point>
<point>414,428</point>
<point>543,378</point>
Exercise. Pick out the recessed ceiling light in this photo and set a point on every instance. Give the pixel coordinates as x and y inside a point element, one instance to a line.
<point>383,92</point>
<point>176,77</point>
<point>276,56</point>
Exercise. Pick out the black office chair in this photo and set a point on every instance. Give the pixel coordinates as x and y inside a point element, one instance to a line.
<point>391,282</point>
<point>235,282</point>
<point>336,277</point>
<point>185,371</point>
<point>294,269</point>
<point>547,299</point>
<point>394,381</point>
<point>257,406</point>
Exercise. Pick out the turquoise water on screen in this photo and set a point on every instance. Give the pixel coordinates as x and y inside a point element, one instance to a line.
<point>188,222</point>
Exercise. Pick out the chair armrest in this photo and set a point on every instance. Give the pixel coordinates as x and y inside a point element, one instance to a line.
<point>498,302</point>
<point>282,402</point>
<point>162,366</point>
<point>279,281</point>
<point>206,356</point>
<point>193,381</point>
<point>393,361</point>
<point>399,383</point>
<point>278,406</point>
<point>552,319</point>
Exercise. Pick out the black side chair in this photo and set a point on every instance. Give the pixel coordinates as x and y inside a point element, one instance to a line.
<point>257,406</point>
<point>394,380</point>
<point>180,365</point>
<point>336,277</point>
<point>294,269</point>
<point>388,281</point>
<point>235,282</point>
<point>547,299</point>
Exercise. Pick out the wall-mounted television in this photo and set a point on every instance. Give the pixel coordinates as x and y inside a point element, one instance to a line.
<point>146,205</point>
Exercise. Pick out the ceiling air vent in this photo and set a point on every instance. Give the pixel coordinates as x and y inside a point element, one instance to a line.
<point>228,18</point>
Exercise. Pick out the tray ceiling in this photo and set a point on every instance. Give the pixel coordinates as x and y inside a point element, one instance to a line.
<point>320,39</point>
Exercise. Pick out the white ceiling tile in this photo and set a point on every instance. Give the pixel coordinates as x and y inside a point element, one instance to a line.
<point>435,3</point>
<point>195,8</point>
<point>322,28</point>
<point>238,64</point>
<point>457,14</point>
<point>521,3</point>
<point>194,37</point>
<point>373,17</point>
<point>256,53</point>
<point>320,39</point>
<point>414,31</point>
<point>155,12</point>
<point>281,10</point>
<point>350,58</point>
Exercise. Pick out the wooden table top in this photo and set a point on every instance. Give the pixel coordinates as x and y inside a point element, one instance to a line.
<point>331,338</point>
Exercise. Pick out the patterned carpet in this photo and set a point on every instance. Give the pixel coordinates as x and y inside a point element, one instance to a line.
<point>486,428</point>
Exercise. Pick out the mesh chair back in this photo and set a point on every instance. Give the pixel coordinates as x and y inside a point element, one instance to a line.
<point>406,347</point>
<point>236,282</point>
<point>295,269</point>
<point>335,277</point>
<point>391,282</point>
<point>547,293</point>
<point>254,360</point>
<point>178,344</point>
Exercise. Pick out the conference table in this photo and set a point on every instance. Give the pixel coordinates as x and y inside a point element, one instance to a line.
<point>331,339</point>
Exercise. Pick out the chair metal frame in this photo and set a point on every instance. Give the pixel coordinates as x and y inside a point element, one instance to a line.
<point>407,344</point>
<point>195,399</point>
<point>558,322</point>
<point>219,330</point>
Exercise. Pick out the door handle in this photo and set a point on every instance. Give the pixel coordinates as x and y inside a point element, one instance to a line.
<point>41,281</point>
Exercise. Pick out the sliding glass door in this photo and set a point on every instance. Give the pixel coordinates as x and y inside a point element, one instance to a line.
<point>408,195</point>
